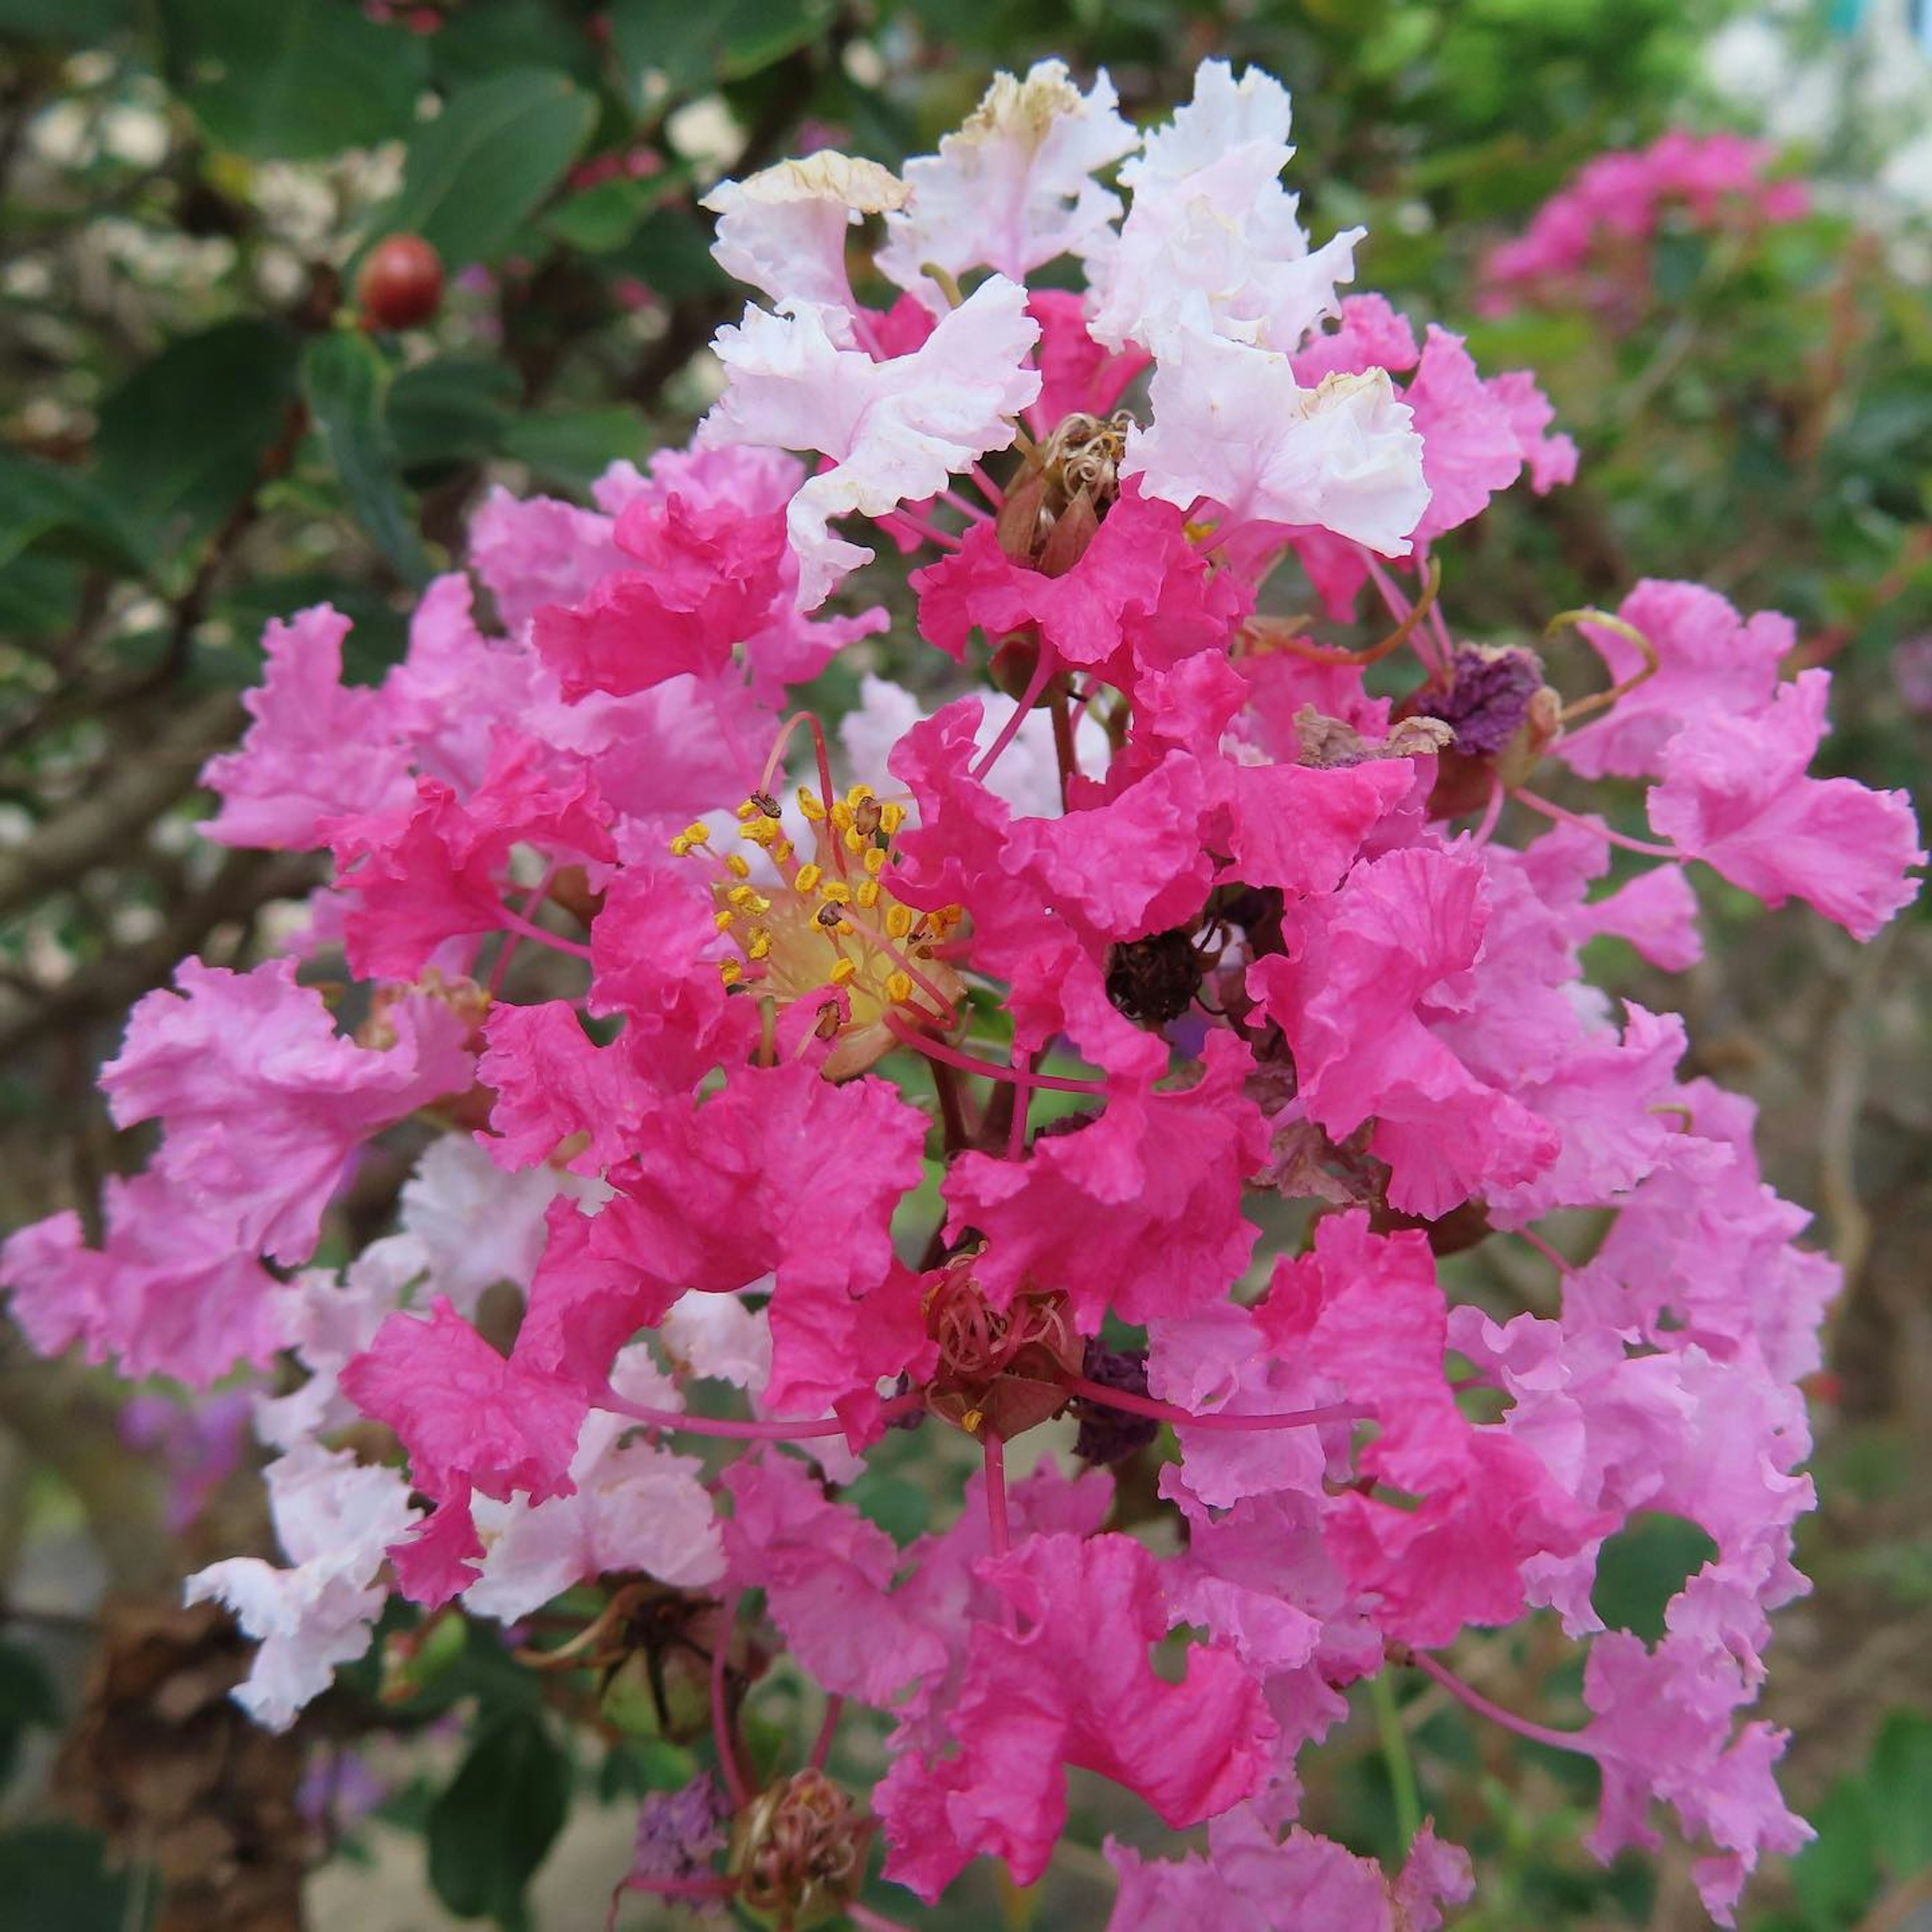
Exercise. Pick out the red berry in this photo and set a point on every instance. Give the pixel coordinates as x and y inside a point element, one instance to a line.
<point>400,283</point>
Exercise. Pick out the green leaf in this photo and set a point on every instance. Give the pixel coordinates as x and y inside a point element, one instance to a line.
<point>451,409</point>
<point>74,23</point>
<point>693,47</point>
<point>1642,1566</point>
<point>476,173</point>
<point>27,1701</point>
<point>491,1829</point>
<point>1836,1876</point>
<point>38,500</point>
<point>182,442</point>
<point>54,1875</point>
<point>600,218</point>
<point>346,381</point>
<point>574,447</point>
<point>1901,1793</point>
<point>292,81</point>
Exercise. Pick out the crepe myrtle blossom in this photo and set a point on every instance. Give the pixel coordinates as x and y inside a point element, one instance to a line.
<point>768,1086</point>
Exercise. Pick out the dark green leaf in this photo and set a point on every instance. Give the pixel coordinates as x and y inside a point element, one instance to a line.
<point>573,448</point>
<point>491,1829</point>
<point>452,409</point>
<point>54,1875</point>
<point>694,46</point>
<point>670,254</point>
<point>1901,1793</point>
<point>476,173</point>
<point>603,217</point>
<point>1837,1876</point>
<point>182,442</point>
<point>346,381</point>
<point>38,500</point>
<point>1642,1566</point>
<point>27,1701</point>
<point>294,80</point>
<point>74,23</point>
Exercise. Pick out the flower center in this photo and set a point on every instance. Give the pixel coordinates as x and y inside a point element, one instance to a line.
<point>1000,1369</point>
<point>825,930</point>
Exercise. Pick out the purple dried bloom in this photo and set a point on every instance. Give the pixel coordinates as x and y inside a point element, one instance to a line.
<point>679,1831</point>
<point>1110,1435</point>
<point>1489,697</point>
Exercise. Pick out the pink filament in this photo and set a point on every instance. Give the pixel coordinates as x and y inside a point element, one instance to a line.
<point>1603,832</point>
<point>1538,1734</point>
<point>996,1527</point>
<point>967,1063</point>
<point>1186,1418</point>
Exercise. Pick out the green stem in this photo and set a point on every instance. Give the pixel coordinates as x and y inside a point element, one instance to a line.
<point>1395,1755</point>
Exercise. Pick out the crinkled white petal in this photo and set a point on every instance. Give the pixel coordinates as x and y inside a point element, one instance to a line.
<point>783,229</point>
<point>334,1518</point>
<point>478,1224</point>
<point>324,1318</point>
<point>1212,233</point>
<point>897,430</point>
<point>1230,424</point>
<point>718,1336</point>
<point>1014,187</point>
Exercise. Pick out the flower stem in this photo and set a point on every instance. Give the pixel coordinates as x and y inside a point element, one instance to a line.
<point>1396,1757</point>
<point>1186,1418</point>
<point>776,1428</point>
<point>967,1063</point>
<point>998,1528</point>
<point>1648,849</point>
<point>721,1718</point>
<point>515,922</point>
<point>1537,1734</point>
<point>821,1748</point>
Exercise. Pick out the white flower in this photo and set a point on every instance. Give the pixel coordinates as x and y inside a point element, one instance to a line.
<point>335,1519</point>
<point>1230,424</point>
<point>783,229</point>
<point>636,1506</point>
<point>478,1226</point>
<point>897,430</point>
<point>1212,232</point>
<point>1014,187</point>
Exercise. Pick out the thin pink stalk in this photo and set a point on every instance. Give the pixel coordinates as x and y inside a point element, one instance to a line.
<point>776,1428</point>
<point>821,1746</point>
<point>538,894</point>
<point>1186,1418</point>
<point>998,1531</point>
<point>965,506</point>
<point>1493,811</point>
<point>1398,605</point>
<point>869,1921</point>
<point>1645,846</point>
<point>515,922</point>
<point>991,490</point>
<point>1023,1079</point>
<point>1544,1248</point>
<point>923,526</point>
<point>721,1721</point>
<point>1538,1734</point>
<point>1044,668</point>
<point>967,1063</point>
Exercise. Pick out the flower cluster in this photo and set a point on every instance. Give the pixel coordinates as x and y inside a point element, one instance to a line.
<point>1601,223</point>
<point>943,1071</point>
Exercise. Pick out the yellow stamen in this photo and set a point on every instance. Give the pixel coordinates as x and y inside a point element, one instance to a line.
<point>748,898</point>
<point>875,859</point>
<point>898,988</point>
<point>731,971</point>
<point>899,921</point>
<point>737,865</point>
<point>809,803</point>
<point>696,833</point>
<point>891,818</point>
<point>858,795</point>
<point>842,970</point>
<point>841,815</point>
<point>837,891</point>
<point>806,879</point>
<point>723,921</point>
<point>759,943</point>
<point>868,894</point>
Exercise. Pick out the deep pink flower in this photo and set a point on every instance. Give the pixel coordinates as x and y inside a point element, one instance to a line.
<point>1067,1683</point>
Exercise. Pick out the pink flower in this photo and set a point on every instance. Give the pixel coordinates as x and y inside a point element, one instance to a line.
<point>1734,794</point>
<point>1067,1682</point>
<point>1138,1211</point>
<point>1251,1881</point>
<point>1349,994</point>
<point>317,750</point>
<point>264,1103</point>
<point>172,1290</point>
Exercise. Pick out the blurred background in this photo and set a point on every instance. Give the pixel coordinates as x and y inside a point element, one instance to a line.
<point>200,434</point>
